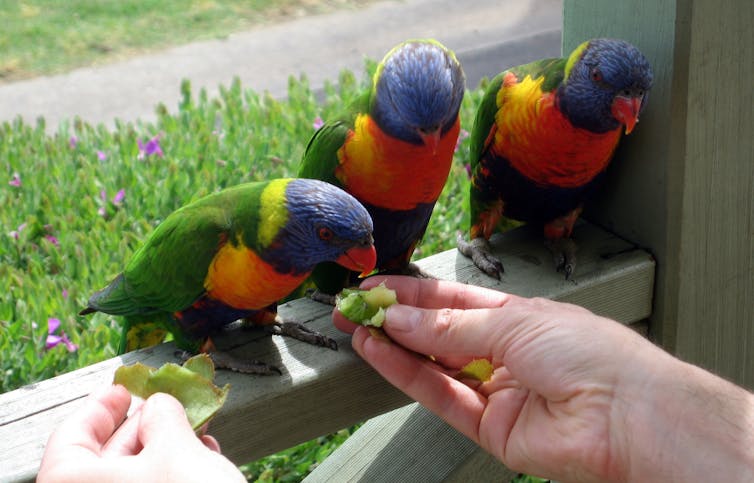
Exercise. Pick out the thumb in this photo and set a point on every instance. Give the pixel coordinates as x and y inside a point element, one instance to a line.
<point>163,419</point>
<point>448,332</point>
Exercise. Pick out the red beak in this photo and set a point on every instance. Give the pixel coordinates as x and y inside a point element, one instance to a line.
<point>359,259</point>
<point>431,139</point>
<point>626,110</point>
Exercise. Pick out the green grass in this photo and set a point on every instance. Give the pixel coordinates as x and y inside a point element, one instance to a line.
<point>51,36</point>
<point>209,144</point>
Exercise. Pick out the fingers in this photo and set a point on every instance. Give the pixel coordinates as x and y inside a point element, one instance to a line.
<point>431,294</point>
<point>436,294</point>
<point>163,422</point>
<point>450,399</point>
<point>451,333</point>
<point>81,437</point>
<point>125,441</point>
<point>211,443</point>
<point>92,425</point>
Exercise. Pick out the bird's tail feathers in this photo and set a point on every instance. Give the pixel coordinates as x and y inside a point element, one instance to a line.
<point>113,299</point>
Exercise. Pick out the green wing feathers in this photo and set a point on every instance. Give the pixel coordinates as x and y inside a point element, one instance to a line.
<point>321,155</point>
<point>180,250</point>
<point>484,120</point>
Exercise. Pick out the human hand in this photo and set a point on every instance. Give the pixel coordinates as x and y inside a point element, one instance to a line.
<point>156,443</point>
<point>559,403</point>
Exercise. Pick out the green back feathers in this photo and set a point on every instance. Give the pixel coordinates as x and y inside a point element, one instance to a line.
<point>551,69</point>
<point>181,249</point>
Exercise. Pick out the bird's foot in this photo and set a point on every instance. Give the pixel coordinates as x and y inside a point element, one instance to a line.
<point>480,253</point>
<point>563,254</point>
<point>302,333</point>
<point>411,270</point>
<point>227,361</point>
<point>322,297</point>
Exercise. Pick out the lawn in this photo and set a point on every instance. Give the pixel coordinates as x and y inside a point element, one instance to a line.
<point>51,36</point>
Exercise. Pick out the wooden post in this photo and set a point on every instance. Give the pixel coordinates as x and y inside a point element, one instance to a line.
<point>682,184</point>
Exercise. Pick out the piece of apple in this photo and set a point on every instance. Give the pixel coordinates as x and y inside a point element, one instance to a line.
<point>366,307</point>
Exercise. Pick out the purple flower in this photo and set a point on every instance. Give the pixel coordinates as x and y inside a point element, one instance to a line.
<point>52,339</point>
<point>15,180</point>
<point>73,141</point>
<point>65,293</point>
<point>468,170</point>
<point>463,134</point>
<point>118,198</point>
<point>16,233</point>
<point>318,123</point>
<point>150,147</point>
<point>52,240</point>
<point>101,155</point>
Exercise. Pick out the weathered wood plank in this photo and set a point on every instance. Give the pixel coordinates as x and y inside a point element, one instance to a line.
<point>378,452</point>
<point>683,182</point>
<point>320,390</point>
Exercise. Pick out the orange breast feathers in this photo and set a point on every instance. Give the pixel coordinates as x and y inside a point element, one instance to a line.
<point>239,278</point>
<point>533,135</point>
<point>390,173</point>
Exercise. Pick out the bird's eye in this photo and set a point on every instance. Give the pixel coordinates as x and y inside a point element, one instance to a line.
<point>596,75</point>
<point>324,233</point>
<point>640,93</point>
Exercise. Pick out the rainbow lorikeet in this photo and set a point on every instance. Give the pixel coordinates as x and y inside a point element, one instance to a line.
<point>233,255</point>
<point>543,135</point>
<point>392,149</point>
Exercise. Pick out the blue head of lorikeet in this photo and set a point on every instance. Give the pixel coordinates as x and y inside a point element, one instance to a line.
<point>543,136</point>
<point>606,85</point>
<point>234,254</point>
<point>392,149</point>
<point>418,89</point>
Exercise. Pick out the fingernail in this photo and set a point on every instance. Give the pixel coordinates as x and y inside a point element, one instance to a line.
<point>403,317</point>
<point>162,402</point>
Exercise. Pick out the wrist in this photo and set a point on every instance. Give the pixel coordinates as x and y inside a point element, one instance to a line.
<point>689,425</point>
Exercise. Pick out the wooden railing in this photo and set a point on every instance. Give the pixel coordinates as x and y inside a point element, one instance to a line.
<point>321,391</point>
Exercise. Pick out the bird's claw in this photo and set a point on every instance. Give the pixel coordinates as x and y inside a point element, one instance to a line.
<point>322,297</point>
<point>227,361</point>
<point>564,255</point>
<point>480,253</point>
<point>300,332</point>
<point>410,270</point>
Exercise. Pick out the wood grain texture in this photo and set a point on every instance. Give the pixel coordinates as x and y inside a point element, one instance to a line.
<point>683,187</point>
<point>716,246</point>
<point>409,444</point>
<point>320,390</point>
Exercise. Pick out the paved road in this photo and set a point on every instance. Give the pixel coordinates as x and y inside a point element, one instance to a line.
<point>487,35</point>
